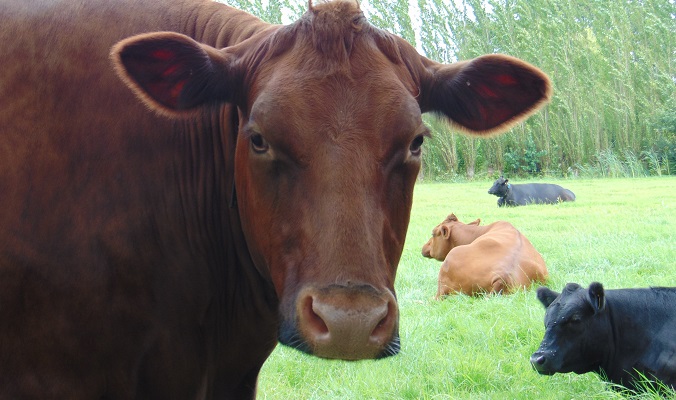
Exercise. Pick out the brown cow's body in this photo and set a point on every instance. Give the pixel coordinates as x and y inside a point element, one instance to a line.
<point>494,258</point>
<point>156,242</point>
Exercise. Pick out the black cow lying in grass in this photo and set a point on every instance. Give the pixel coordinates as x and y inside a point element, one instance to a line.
<point>528,193</point>
<point>624,335</point>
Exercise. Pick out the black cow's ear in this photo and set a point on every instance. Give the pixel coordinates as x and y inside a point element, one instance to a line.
<point>546,296</point>
<point>506,180</point>
<point>597,297</point>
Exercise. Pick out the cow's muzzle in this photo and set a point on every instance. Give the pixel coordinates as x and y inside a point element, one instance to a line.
<point>349,322</point>
<point>539,361</point>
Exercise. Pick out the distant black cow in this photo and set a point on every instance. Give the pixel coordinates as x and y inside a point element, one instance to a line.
<point>615,333</point>
<point>527,193</point>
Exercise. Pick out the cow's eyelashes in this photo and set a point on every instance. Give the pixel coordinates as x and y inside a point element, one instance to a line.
<point>259,144</point>
<point>416,145</point>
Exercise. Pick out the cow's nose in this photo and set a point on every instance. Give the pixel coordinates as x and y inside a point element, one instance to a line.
<point>349,322</point>
<point>541,363</point>
<point>537,359</point>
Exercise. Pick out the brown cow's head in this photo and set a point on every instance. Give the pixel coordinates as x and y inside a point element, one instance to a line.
<point>329,147</point>
<point>441,242</point>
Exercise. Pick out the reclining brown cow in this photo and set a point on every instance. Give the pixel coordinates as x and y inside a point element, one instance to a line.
<point>494,258</point>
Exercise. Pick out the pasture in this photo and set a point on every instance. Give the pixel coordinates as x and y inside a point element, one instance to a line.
<point>620,232</point>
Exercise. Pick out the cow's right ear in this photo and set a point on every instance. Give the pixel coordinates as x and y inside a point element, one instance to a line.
<point>546,295</point>
<point>475,222</point>
<point>597,297</point>
<point>505,182</point>
<point>172,73</point>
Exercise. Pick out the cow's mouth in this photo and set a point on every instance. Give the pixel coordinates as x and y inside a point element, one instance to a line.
<point>289,336</point>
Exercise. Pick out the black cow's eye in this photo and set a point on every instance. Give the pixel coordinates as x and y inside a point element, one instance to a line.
<point>416,145</point>
<point>258,144</point>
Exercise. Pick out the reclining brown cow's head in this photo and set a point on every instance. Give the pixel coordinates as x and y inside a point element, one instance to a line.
<point>441,243</point>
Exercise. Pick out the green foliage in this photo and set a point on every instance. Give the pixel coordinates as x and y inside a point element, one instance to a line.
<point>270,11</point>
<point>619,232</point>
<point>526,161</point>
<point>391,15</point>
<point>611,65</point>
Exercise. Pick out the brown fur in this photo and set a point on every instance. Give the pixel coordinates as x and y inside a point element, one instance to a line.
<point>170,175</point>
<point>495,258</point>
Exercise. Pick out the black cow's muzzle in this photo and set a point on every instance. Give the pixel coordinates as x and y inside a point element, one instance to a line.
<point>539,362</point>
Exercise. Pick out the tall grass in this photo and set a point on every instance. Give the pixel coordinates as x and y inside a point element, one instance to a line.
<point>619,232</point>
<point>608,164</point>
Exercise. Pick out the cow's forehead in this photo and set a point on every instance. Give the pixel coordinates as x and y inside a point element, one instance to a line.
<point>337,105</point>
<point>332,68</point>
<point>567,303</point>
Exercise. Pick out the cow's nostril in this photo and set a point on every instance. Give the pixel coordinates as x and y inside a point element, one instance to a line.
<point>383,330</point>
<point>314,321</point>
<point>540,360</point>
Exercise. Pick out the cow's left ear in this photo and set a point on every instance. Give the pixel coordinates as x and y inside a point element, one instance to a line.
<point>172,73</point>
<point>445,232</point>
<point>546,295</point>
<point>597,296</point>
<point>485,95</point>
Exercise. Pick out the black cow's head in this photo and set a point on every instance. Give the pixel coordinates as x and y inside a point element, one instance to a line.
<point>500,187</point>
<point>576,330</point>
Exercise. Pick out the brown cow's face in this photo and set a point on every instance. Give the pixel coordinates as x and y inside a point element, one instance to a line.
<point>440,243</point>
<point>325,173</point>
<point>327,153</point>
<point>443,239</point>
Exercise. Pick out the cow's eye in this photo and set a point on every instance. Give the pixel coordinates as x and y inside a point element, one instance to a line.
<point>416,145</point>
<point>258,144</point>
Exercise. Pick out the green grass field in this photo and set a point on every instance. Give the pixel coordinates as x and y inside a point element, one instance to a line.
<point>620,232</point>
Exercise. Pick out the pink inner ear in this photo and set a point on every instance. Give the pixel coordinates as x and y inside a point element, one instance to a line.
<point>484,91</point>
<point>505,79</point>
<point>169,70</point>
<point>162,54</point>
<point>176,89</point>
<point>163,73</point>
<point>172,73</point>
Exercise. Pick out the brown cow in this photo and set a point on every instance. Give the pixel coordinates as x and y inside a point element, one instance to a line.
<point>495,258</point>
<point>156,242</point>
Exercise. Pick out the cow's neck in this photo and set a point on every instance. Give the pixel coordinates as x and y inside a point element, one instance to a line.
<point>508,192</point>
<point>631,327</point>
<point>469,233</point>
<point>220,26</point>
